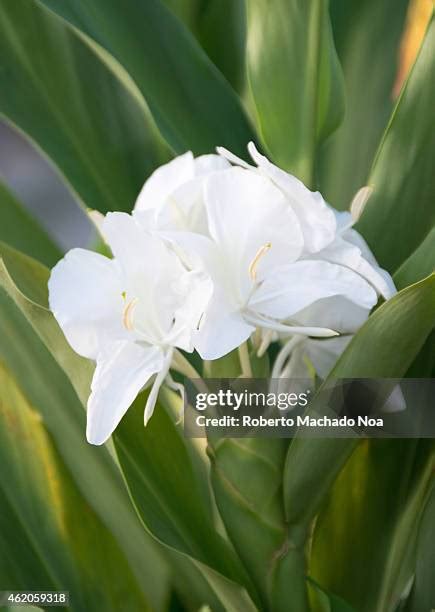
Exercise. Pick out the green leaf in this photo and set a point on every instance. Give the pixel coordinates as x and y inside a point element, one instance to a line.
<point>419,264</point>
<point>363,520</point>
<point>400,213</point>
<point>367,35</point>
<point>193,105</point>
<point>92,123</point>
<point>158,476</point>
<point>401,561</point>
<point>22,276</point>
<point>246,475</point>
<point>222,33</point>
<point>21,231</point>
<point>220,28</point>
<point>158,472</point>
<point>295,79</point>
<point>51,539</point>
<point>323,601</point>
<point>385,346</point>
<point>423,591</point>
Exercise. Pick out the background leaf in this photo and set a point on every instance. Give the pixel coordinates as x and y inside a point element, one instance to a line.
<point>192,104</point>
<point>419,264</point>
<point>375,491</point>
<point>246,475</point>
<point>20,230</point>
<point>220,28</point>
<point>61,94</point>
<point>295,79</point>
<point>50,537</point>
<point>158,476</point>
<point>385,346</point>
<point>367,35</point>
<point>423,591</point>
<point>401,212</point>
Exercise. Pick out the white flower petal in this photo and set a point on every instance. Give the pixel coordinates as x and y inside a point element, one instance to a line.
<point>291,288</point>
<point>335,312</point>
<point>85,296</point>
<point>118,378</point>
<point>234,159</point>
<point>195,290</point>
<point>165,180</point>
<point>206,164</point>
<point>352,251</point>
<point>323,354</point>
<point>154,391</point>
<point>246,214</point>
<point>221,330</point>
<point>316,218</point>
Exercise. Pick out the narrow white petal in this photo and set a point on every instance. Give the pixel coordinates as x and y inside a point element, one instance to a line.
<point>259,321</point>
<point>395,402</point>
<point>118,378</point>
<point>233,158</point>
<point>323,354</point>
<point>154,392</point>
<point>335,312</point>
<point>352,251</point>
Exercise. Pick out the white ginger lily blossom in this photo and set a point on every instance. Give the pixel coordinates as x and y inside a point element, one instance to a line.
<point>280,258</point>
<point>126,313</point>
<point>214,250</point>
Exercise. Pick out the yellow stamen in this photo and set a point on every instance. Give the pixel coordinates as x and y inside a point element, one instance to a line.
<point>128,313</point>
<point>254,263</point>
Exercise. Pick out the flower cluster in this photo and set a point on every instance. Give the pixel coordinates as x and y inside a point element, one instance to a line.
<point>214,251</point>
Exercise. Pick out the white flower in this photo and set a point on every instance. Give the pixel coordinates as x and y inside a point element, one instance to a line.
<point>278,255</point>
<point>172,197</point>
<point>127,313</point>
<point>211,253</point>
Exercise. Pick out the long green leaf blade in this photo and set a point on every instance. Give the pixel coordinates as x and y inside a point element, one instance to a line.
<point>367,35</point>
<point>246,475</point>
<point>384,481</point>
<point>158,471</point>
<point>295,79</point>
<point>401,211</point>
<point>423,591</point>
<point>220,28</point>
<point>192,104</point>
<point>56,89</point>
<point>50,537</point>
